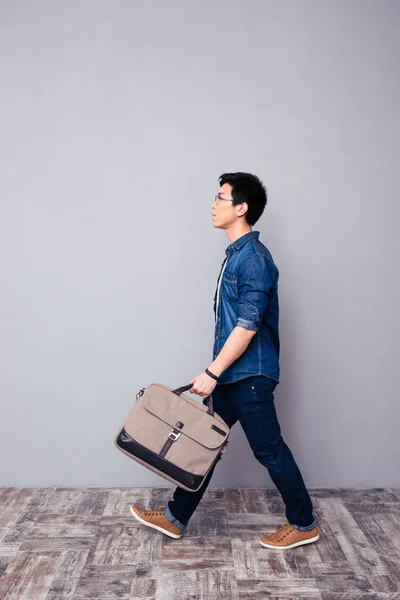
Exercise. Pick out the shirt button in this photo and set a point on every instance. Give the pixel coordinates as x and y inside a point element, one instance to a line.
<point>252,387</point>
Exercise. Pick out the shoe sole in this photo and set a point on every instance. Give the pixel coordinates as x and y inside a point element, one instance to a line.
<point>313,539</point>
<point>169,533</point>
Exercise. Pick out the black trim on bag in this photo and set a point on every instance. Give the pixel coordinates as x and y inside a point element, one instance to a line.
<point>190,480</point>
<point>221,431</point>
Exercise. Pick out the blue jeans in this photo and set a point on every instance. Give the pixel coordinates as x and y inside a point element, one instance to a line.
<point>251,402</point>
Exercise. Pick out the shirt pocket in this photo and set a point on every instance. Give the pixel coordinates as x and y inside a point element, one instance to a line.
<point>229,286</point>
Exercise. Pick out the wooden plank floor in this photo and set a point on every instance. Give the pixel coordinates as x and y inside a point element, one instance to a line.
<point>83,544</point>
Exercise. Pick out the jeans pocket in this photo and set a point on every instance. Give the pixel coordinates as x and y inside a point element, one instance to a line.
<point>248,382</point>
<point>258,383</point>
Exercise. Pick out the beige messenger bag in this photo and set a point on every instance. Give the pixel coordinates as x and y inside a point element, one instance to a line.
<point>173,435</point>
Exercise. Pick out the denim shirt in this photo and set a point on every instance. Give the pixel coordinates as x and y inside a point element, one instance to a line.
<point>247,296</point>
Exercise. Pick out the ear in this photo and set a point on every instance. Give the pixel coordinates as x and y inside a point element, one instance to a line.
<point>244,207</point>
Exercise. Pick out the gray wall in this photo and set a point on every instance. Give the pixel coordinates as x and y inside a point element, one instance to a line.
<point>117,117</point>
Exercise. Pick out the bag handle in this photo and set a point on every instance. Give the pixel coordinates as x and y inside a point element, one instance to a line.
<point>209,399</point>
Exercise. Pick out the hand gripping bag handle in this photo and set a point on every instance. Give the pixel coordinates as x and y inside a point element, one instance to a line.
<point>209,399</point>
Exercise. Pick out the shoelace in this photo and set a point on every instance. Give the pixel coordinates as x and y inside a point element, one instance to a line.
<point>282,529</point>
<point>155,513</point>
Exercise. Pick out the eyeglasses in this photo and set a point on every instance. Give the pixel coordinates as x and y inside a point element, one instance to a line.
<point>218,198</point>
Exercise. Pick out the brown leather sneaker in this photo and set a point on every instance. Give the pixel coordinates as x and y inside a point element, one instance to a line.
<point>288,536</point>
<point>157,520</point>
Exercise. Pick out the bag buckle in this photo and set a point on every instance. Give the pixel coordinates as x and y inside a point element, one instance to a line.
<point>174,435</point>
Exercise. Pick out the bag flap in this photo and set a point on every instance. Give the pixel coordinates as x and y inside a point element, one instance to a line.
<point>164,404</point>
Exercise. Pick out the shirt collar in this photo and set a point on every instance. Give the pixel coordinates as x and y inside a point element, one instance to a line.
<point>241,241</point>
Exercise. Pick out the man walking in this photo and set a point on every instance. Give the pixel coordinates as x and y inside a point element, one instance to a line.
<point>245,367</point>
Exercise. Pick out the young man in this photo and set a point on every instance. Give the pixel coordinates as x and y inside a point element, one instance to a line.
<point>245,367</point>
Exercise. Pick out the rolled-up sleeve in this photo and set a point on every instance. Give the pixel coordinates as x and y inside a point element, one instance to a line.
<point>256,280</point>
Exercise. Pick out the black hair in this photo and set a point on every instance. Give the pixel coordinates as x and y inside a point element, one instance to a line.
<point>247,188</point>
